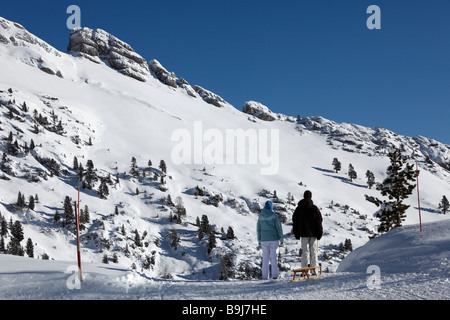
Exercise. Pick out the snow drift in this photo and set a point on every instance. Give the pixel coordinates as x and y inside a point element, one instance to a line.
<point>405,250</point>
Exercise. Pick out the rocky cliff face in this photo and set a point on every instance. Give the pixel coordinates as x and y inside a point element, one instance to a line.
<point>166,77</point>
<point>98,45</point>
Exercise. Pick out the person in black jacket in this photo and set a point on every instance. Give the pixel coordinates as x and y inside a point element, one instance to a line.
<point>307,225</point>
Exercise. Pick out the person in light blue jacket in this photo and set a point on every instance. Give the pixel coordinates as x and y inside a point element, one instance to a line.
<point>270,236</point>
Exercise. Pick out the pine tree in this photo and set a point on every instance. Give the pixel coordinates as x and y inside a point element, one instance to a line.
<point>211,241</point>
<point>162,166</point>
<point>137,238</point>
<point>85,217</point>
<point>103,190</point>
<point>75,163</point>
<point>351,172</point>
<point>226,266</point>
<point>14,246</point>
<point>174,238</point>
<point>30,248</point>
<point>90,176</point>
<point>80,174</point>
<point>230,233</point>
<point>3,226</point>
<point>181,210</point>
<point>397,187</point>
<point>348,245</point>
<point>444,205</point>
<point>204,224</point>
<point>336,165</point>
<point>56,217</point>
<point>20,200</point>
<point>17,231</point>
<point>69,216</point>
<point>200,234</point>
<point>370,178</point>
<point>31,203</point>
<point>134,171</point>
<point>2,245</point>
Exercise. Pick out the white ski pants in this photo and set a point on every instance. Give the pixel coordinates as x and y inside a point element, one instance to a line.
<point>269,254</point>
<point>310,248</point>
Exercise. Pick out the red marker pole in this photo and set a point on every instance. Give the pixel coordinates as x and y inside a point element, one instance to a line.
<point>77,219</point>
<point>418,196</point>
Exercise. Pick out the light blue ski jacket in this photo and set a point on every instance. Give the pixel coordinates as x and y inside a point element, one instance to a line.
<point>269,226</point>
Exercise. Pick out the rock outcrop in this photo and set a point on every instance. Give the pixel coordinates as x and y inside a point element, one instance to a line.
<point>258,110</point>
<point>210,97</point>
<point>166,77</point>
<point>170,79</point>
<point>98,45</point>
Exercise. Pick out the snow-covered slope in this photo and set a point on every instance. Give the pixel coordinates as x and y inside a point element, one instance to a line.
<point>97,112</point>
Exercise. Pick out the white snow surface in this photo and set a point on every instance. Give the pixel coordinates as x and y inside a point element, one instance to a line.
<point>127,118</point>
<point>413,265</point>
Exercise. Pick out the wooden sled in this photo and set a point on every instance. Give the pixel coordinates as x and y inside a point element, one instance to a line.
<point>305,273</point>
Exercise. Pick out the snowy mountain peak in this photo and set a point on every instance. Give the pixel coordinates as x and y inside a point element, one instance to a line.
<point>28,48</point>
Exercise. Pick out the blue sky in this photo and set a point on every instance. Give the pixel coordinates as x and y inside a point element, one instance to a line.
<point>297,57</point>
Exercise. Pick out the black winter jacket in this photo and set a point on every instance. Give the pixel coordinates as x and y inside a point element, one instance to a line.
<point>307,220</point>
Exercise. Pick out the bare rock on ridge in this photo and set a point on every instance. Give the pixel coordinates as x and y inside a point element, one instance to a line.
<point>166,77</point>
<point>258,110</point>
<point>210,97</point>
<point>98,45</point>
